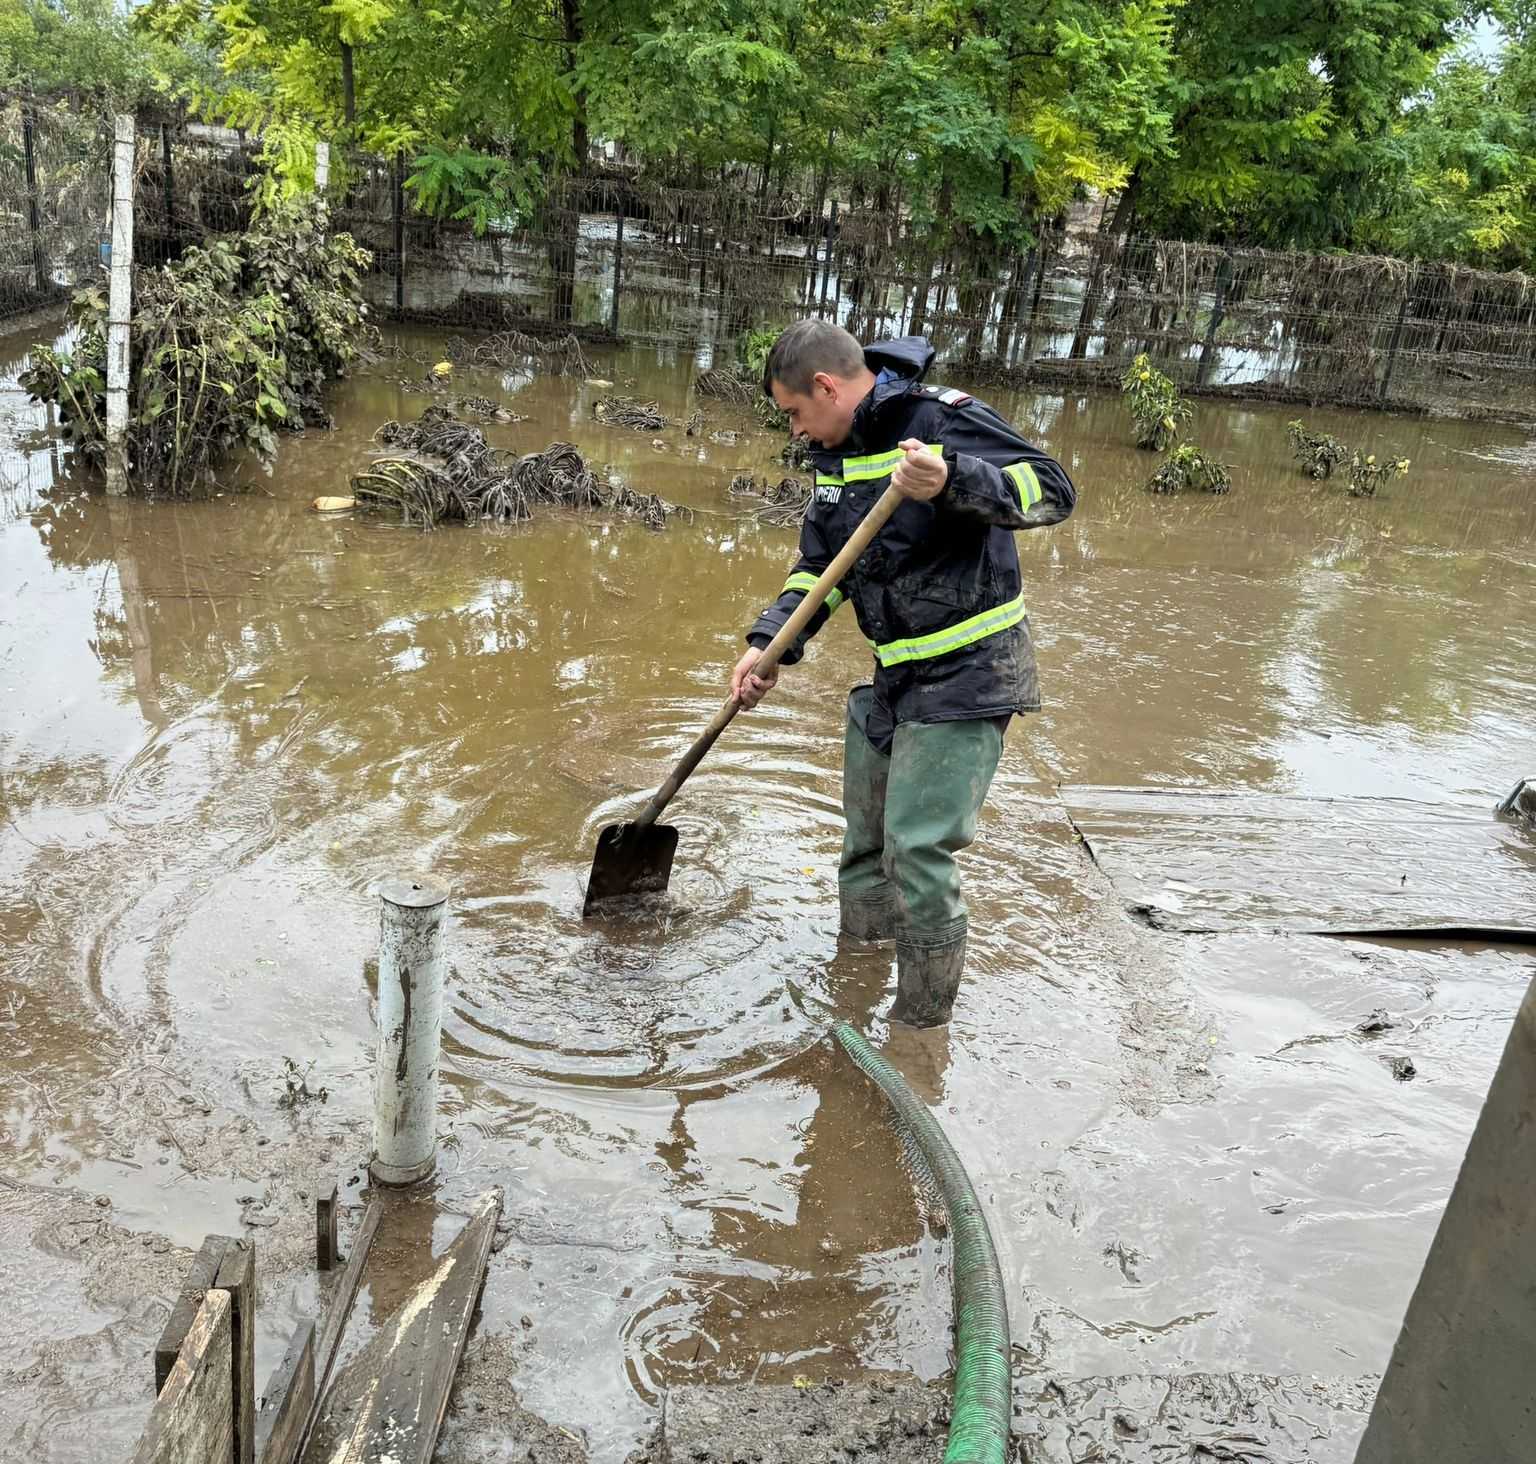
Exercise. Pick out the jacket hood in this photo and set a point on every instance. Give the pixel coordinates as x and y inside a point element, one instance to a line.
<point>898,366</point>
<point>906,356</point>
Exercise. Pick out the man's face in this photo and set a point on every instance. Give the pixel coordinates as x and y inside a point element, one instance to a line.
<point>824,413</point>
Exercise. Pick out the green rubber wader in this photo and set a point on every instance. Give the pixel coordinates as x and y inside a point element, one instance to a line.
<point>907,816</point>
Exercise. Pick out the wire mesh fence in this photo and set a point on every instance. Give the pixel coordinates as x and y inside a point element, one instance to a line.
<point>615,254</point>
<point>55,186</point>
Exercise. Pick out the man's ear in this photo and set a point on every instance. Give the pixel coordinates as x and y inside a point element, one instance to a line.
<point>824,381</point>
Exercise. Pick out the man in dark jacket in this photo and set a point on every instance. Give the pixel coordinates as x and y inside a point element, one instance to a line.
<point>939,597</point>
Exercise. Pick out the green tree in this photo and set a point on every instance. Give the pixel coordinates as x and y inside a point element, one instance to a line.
<point>1286,127</point>
<point>1469,190</point>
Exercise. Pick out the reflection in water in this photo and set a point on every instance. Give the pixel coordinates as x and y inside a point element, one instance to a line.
<point>224,722</point>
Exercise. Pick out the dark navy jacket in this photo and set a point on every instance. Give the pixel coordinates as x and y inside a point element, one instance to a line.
<point>939,593</point>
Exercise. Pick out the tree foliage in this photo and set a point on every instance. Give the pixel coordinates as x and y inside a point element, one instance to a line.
<point>1284,123</point>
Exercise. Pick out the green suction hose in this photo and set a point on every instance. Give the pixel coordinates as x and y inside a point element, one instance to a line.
<point>983,1396</point>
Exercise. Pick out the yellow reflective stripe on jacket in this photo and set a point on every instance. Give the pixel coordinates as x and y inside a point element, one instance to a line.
<point>827,478</point>
<point>953,637</point>
<point>1026,482</point>
<point>805,582</point>
<point>877,465</point>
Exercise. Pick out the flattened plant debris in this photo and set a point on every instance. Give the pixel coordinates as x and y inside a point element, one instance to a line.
<point>617,411</point>
<point>553,356</point>
<point>782,503</point>
<point>442,469</point>
<point>727,386</point>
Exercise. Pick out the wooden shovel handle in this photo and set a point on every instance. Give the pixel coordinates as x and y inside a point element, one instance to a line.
<point>831,577</point>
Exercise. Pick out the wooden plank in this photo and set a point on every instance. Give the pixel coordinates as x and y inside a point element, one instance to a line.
<point>288,1400</point>
<point>192,1421</point>
<point>327,1253</point>
<point>200,1276</point>
<point>341,1306</point>
<point>396,1391</point>
<point>237,1279</point>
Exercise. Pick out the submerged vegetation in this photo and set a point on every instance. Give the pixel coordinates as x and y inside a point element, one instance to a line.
<point>1318,452</point>
<point>232,344</point>
<point>1157,410</point>
<point>441,469</point>
<point>1189,466</point>
<point>1366,474</point>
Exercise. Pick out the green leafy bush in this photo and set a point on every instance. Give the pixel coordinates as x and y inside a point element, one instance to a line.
<point>1157,409</point>
<point>231,343</point>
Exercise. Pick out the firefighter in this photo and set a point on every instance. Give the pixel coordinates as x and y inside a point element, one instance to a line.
<point>939,597</point>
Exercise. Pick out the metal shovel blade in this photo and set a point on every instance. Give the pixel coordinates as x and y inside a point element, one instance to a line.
<point>630,860</point>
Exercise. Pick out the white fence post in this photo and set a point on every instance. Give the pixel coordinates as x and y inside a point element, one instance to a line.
<point>120,305</point>
<point>322,166</point>
<point>413,913</point>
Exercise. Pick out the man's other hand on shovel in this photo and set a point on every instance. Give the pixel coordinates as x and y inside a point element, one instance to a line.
<point>747,687</point>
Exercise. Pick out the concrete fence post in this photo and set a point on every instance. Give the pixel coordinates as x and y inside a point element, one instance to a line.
<point>322,166</point>
<point>413,913</point>
<point>120,305</point>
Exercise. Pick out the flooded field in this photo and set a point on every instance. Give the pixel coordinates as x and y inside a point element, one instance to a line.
<point>222,723</point>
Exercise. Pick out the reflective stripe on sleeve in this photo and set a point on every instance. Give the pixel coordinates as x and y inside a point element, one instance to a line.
<point>953,637</point>
<point>877,465</point>
<point>805,582</point>
<point>1026,483</point>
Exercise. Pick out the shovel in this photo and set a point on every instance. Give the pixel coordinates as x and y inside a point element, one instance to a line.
<point>636,858</point>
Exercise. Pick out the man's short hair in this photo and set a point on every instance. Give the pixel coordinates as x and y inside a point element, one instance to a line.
<point>809,346</point>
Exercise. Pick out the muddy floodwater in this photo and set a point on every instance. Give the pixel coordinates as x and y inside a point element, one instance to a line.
<point>224,723</point>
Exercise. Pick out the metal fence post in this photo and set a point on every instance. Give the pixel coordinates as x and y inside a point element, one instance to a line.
<point>412,914</point>
<point>34,221</point>
<point>399,230</point>
<point>826,268</point>
<point>168,181</point>
<point>1396,341</point>
<point>618,266</point>
<point>120,305</point>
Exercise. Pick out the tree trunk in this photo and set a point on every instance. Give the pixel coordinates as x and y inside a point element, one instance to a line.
<point>348,87</point>
<point>566,222</point>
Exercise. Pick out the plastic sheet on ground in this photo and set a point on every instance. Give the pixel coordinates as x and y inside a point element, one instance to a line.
<point>1197,860</point>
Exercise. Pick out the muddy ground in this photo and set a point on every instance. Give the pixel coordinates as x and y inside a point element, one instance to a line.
<point>223,723</point>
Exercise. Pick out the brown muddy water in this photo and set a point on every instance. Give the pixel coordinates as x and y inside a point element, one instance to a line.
<point>222,723</point>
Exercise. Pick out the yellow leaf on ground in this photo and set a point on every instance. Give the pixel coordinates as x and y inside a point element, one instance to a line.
<point>333,505</point>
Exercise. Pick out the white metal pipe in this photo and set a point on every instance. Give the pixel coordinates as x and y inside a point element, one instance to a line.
<point>413,913</point>
<point>120,304</point>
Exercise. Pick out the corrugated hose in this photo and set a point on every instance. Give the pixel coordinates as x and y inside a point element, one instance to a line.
<point>982,1401</point>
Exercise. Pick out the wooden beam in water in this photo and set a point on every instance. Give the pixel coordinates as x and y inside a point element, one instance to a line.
<point>327,1252</point>
<point>339,1310</point>
<point>200,1276</point>
<point>237,1280</point>
<point>192,1421</point>
<point>396,1391</point>
<point>288,1400</point>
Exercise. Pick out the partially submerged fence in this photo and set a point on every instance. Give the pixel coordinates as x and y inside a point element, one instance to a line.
<point>616,255</point>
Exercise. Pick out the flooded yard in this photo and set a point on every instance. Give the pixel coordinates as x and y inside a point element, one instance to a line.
<point>224,722</point>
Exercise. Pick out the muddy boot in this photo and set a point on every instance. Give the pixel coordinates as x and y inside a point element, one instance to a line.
<point>866,897</point>
<point>867,919</point>
<point>928,969</point>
